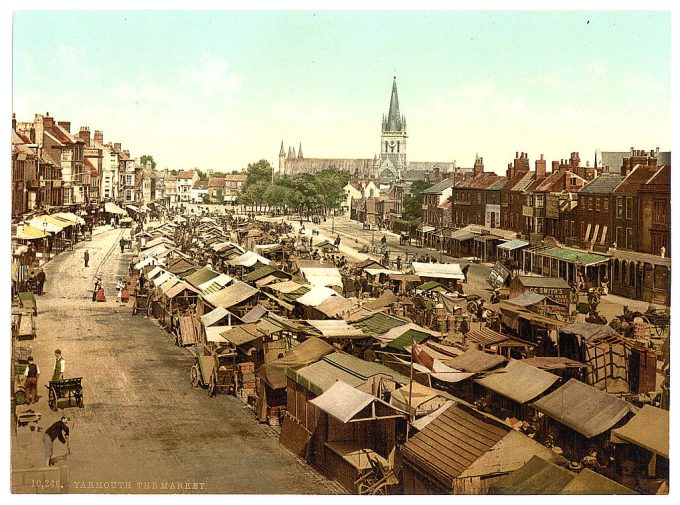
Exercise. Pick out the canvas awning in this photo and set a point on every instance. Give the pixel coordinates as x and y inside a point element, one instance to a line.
<point>214,334</point>
<point>41,223</point>
<point>336,328</point>
<point>648,429</point>
<point>343,402</point>
<point>583,408</point>
<point>70,216</point>
<point>462,237</point>
<point>309,351</point>
<point>511,245</point>
<point>112,208</point>
<point>518,381</point>
<point>249,259</point>
<point>438,270</point>
<point>27,232</point>
<point>474,360</point>
<point>328,276</point>
<point>316,296</point>
<point>240,335</point>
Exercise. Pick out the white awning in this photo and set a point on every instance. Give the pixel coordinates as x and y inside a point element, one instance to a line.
<point>438,270</point>
<point>112,208</point>
<point>342,401</point>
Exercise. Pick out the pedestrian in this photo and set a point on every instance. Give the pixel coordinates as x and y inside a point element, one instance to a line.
<point>31,373</point>
<point>40,279</point>
<point>465,273</point>
<point>113,222</point>
<point>58,430</point>
<point>119,289</point>
<point>86,257</point>
<point>101,296</point>
<point>398,262</point>
<point>59,366</point>
<point>96,288</point>
<point>122,245</point>
<point>125,294</point>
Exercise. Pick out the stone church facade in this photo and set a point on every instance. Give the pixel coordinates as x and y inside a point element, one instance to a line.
<point>392,166</point>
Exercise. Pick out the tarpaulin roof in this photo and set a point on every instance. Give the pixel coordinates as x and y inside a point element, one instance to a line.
<point>112,208</point>
<point>589,331</point>
<point>379,323</point>
<point>162,278</point>
<point>179,287</point>
<point>249,259</point>
<point>154,272</point>
<point>70,216</point>
<point>438,270</point>
<point>583,408</point>
<point>554,363</point>
<point>530,298</point>
<point>214,284</point>
<point>441,371</point>
<point>487,337</point>
<point>214,334</point>
<point>285,287</point>
<point>201,276</point>
<point>316,296</point>
<point>335,328</point>
<point>242,334</point>
<point>648,429</point>
<point>326,276</point>
<point>254,314</point>
<point>149,260</point>
<point>384,300</point>
<point>518,381</point>
<point>419,424</point>
<point>402,336</point>
<point>511,245</point>
<point>540,281</point>
<point>419,394</point>
<point>231,295</point>
<point>309,351</point>
<point>589,482</point>
<point>214,315</point>
<point>536,477</point>
<point>335,306</point>
<point>378,271</point>
<point>343,401</point>
<point>474,360</point>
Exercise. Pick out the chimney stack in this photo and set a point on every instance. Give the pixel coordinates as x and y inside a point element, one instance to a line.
<point>99,137</point>
<point>84,135</point>
<point>48,121</point>
<point>540,167</point>
<point>479,166</point>
<point>555,166</point>
<point>116,146</point>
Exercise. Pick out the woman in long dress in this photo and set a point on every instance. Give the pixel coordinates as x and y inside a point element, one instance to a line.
<point>101,297</point>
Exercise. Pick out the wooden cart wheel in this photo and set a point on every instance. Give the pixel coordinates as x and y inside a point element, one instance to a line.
<point>80,403</point>
<point>212,386</point>
<point>195,376</point>
<point>20,396</point>
<point>52,399</point>
<point>472,307</point>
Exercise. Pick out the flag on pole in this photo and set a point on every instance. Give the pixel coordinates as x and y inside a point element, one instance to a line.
<point>419,355</point>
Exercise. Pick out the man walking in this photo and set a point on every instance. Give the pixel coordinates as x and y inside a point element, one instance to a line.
<point>86,257</point>
<point>40,279</point>
<point>122,245</point>
<point>59,366</point>
<point>31,373</point>
<point>57,430</point>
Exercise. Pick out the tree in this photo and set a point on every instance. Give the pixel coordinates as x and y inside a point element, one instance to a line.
<point>145,158</point>
<point>330,186</point>
<point>413,202</point>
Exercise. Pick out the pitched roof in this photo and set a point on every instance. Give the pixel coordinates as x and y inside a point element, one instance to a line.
<point>216,182</point>
<point>199,184</point>
<point>583,408</point>
<point>519,182</point>
<point>186,174</point>
<point>648,429</point>
<point>518,381</point>
<point>440,186</point>
<point>636,178</point>
<point>604,184</point>
<point>233,294</point>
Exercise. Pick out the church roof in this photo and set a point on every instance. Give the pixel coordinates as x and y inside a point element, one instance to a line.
<point>394,123</point>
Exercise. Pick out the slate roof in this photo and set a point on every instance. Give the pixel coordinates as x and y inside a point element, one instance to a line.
<point>636,178</point>
<point>519,182</point>
<point>440,186</point>
<point>604,184</point>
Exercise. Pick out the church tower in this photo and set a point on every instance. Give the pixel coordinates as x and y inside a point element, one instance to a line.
<point>282,160</point>
<point>393,137</point>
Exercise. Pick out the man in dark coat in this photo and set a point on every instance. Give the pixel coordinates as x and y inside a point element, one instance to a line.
<point>40,279</point>
<point>86,257</point>
<point>58,430</point>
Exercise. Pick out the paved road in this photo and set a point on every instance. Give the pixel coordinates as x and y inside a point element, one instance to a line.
<point>143,422</point>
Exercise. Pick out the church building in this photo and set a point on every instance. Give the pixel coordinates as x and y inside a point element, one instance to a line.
<point>392,166</point>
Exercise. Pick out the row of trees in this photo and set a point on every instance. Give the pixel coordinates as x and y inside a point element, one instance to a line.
<point>301,193</point>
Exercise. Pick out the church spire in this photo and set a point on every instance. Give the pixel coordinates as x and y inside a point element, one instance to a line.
<point>300,151</point>
<point>394,122</point>
<point>282,152</point>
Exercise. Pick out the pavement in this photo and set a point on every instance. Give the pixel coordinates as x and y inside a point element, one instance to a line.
<point>143,425</point>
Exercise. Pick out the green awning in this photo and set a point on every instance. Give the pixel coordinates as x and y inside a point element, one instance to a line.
<point>571,256</point>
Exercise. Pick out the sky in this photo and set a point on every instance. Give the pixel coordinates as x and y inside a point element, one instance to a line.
<point>220,89</point>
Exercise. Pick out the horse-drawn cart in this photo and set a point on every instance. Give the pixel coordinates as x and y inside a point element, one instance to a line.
<point>214,370</point>
<point>141,302</point>
<point>71,389</point>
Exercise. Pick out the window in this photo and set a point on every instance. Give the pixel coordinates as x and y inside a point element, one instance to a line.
<point>619,206</point>
<point>566,229</point>
<point>629,238</point>
<point>479,197</point>
<point>590,203</point>
<point>512,221</point>
<point>539,201</point>
<point>528,202</point>
<point>597,204</point>
<point>583,230</point>
<point>605,203</point>
<point>659,212</point>
<point>629,207</point>
<point>619,236</point>
<point>571,234</point>
<point>539,225</point>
